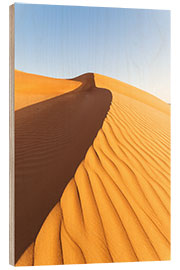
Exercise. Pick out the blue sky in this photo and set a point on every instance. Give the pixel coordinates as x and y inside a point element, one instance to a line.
<point>131,45</point>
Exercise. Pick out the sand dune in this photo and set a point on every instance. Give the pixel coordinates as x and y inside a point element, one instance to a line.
<point>116,207</point>
<point>51,139</point>
<point>31,88</point>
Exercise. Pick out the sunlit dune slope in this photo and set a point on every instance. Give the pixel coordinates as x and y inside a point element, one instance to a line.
<point>131,91</point>
<point>31,88</point>
<point>116,208</point>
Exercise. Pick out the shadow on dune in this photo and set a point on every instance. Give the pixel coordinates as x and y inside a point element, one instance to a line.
<point>51,139</point>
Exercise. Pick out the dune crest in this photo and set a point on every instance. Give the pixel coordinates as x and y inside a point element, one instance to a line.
<point>116,208</point>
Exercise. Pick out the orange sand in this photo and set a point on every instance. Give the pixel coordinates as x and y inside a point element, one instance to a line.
<point>117,206</point>
<point>132,92</point>
<point>31,88</point>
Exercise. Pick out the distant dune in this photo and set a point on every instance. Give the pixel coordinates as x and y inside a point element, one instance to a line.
<point>114,204</point>
<point>131,92</point>
<point>31,88</point>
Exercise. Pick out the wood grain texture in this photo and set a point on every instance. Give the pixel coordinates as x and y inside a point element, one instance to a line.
<point>89,156</point>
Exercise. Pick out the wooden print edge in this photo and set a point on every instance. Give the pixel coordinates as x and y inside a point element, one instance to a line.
<point>11,137</point>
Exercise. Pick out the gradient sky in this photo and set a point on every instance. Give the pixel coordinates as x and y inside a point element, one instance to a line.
<point>131,45</point>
